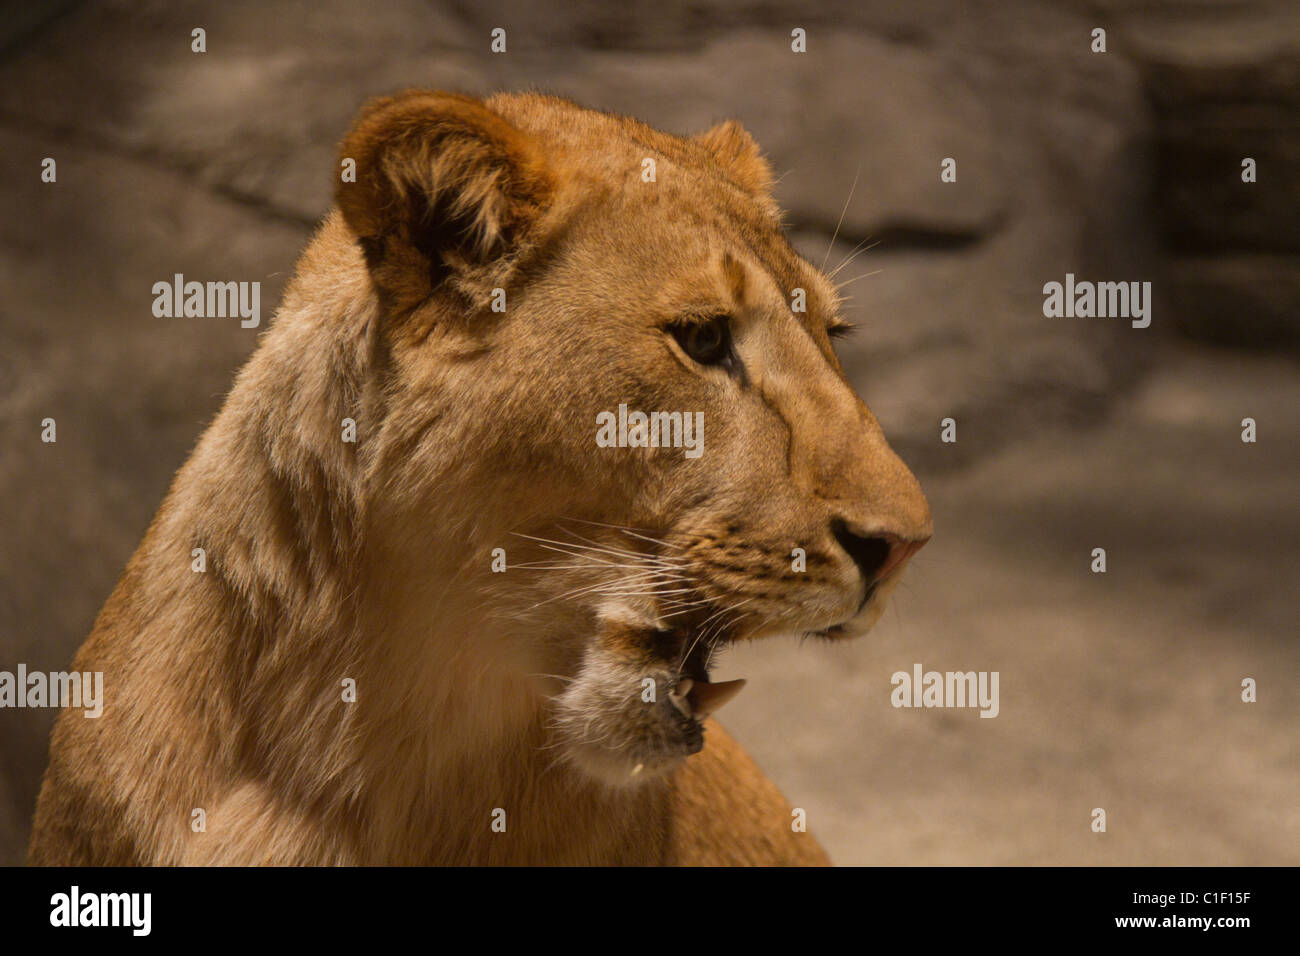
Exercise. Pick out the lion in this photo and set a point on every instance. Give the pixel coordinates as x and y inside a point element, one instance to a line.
<point>401,606</point>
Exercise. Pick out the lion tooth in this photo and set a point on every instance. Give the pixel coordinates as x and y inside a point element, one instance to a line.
<point>708,698</point>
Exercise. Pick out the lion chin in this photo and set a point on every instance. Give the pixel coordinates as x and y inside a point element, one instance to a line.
<point>627,720</point>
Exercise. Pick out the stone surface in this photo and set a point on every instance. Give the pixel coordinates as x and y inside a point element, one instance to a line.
<point>1246,301</point>
<point>1224,83</point>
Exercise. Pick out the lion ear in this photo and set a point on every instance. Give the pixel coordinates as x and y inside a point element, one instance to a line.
<point>441,183</point>
<point>735,150</point>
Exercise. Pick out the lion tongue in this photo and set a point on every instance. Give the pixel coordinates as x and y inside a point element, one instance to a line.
<point>706,698</point>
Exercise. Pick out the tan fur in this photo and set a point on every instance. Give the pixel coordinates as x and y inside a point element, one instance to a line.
<point>327,560</point>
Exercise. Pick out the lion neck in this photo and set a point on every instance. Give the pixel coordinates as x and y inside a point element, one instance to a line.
<point>455,742</point>
<point>316,586</point>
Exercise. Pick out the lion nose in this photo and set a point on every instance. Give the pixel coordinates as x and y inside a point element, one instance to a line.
<point>878,555</point>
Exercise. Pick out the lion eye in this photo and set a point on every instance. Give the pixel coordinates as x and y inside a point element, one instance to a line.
<point>707,342</point>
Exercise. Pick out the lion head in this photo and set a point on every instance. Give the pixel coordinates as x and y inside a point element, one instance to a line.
<point>613,422</point>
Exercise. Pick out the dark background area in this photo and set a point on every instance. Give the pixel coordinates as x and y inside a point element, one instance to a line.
<point>1119,690</point>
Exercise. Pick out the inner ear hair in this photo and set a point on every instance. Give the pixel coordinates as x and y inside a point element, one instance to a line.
<point>442,183</point>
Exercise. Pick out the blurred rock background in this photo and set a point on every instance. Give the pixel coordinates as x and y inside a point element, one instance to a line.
<point>1118,690</point>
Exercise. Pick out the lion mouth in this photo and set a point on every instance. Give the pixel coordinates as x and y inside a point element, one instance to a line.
<point>694,696</point>
<point>699,699</point>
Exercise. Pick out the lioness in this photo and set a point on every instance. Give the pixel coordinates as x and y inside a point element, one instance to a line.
<point>474,633</point>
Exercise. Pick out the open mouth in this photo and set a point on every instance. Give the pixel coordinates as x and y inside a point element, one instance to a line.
<point>694,696</point>
<point>601,715</point>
